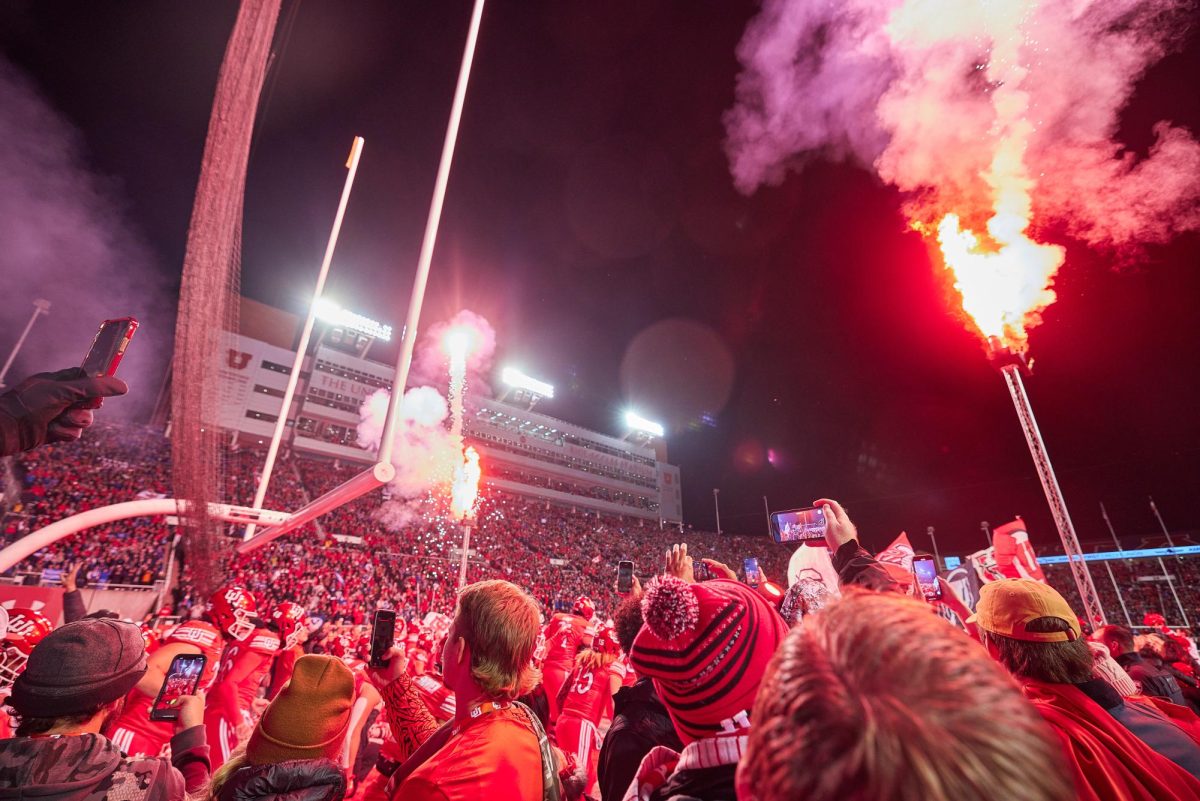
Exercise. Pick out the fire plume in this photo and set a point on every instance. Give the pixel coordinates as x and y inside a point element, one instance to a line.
<point>464,490</point>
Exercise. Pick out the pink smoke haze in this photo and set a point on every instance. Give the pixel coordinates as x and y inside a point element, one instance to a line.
<point>911,89</point>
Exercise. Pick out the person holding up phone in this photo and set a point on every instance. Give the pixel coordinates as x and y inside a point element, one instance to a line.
<point>73,686</point>
<point>43,408</point>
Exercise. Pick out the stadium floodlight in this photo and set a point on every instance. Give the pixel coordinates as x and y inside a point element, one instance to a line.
<point>330,312</point>
<point>518,380</point>
<point>636,422</point>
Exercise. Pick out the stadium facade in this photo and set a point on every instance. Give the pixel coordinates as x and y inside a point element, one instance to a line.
<point>524,452</point>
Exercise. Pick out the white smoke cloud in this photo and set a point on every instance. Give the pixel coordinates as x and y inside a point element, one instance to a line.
<point>424,452</point>
<point>908,87</point>
<point>66,238</point>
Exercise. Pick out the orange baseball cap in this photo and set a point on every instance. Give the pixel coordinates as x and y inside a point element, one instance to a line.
<point>1007,605</point>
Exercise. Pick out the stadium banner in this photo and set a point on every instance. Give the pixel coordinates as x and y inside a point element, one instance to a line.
<point>670,500</point>
<point>43,600</point>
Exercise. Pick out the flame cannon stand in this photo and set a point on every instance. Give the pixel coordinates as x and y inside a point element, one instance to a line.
<point>1011,366</point>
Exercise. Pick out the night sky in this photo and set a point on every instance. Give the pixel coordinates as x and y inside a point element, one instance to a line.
<point>799,343</point>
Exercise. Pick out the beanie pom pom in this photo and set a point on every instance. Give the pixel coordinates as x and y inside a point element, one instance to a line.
<point>670,608</point>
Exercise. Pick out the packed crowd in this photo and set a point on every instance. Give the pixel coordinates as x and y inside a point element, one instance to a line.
<point>848,682</point>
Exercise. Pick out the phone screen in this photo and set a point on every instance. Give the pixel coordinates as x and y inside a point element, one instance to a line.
<point>183,677</point>
<point>798,524</point>
<point>701,571</point>
<point>927,579</point>
<point>383,637</point>
<point>108,347</point>
<point>624,577</point>
<point>753,575</point>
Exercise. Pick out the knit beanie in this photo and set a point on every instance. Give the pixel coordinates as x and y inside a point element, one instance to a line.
<point>80,667</point>
<point>707,647</point>
<point>309,717</point>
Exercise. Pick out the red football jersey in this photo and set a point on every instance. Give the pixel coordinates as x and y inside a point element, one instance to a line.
<point>208,639</point>
<point>565,634</point>
<point>247,663</point>
<point>590,691</point>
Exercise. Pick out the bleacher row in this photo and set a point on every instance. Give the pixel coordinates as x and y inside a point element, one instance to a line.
<point>557,552</point>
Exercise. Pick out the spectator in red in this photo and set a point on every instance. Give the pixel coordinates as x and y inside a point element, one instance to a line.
<point>494,748</point>
<point>706,646</point>
<point>1116,748</point>
<point>68,695</point>
<point>876,698</point>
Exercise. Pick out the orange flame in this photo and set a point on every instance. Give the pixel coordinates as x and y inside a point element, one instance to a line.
<point>1004,288</point>
<point>464,490</point>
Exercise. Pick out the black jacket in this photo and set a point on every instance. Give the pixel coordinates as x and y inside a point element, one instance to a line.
<point>1151,679</point>
<point>299,780</point>
<point>640,722</point>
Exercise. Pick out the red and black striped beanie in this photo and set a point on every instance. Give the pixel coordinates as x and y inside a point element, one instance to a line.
<point>706,646</point>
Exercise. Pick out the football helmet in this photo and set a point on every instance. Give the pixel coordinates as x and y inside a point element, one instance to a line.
<point>26,628</point>
<point>584,607</point>
<point>232,609</point>
<point>290,619</point>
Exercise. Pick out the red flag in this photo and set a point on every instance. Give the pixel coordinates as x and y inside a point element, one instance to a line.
<point>1014,554</point>
<point>897,558</point>
<point>985,565</point>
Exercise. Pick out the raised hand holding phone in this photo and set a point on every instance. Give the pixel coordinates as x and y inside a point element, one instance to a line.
<point>383,637</point>
<point>182,681</point>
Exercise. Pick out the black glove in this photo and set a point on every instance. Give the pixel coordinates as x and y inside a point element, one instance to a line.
<point>39,409</point>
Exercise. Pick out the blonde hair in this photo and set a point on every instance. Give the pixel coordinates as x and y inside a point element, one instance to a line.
<point>500,624</point>
<point>592,659</point>
<point>236,761</point>
<point>894,703</point>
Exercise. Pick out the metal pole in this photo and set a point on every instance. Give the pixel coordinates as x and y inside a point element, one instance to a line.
<point>1113,532</point>
<point>40,306</point>
<point>404,359</point>
<point>1163,565</point>
<point>1120,598</point>
<point>466,548</point>
<point>1054,497</point>
<point>937,556</point>
<point>717,507</point>
<point>987,533</point>
<point>264,480</point>
<point>168,570</point>
<point>767,512</point>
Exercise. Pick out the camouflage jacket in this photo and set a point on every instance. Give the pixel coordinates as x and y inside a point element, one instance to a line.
<point>88,767</point>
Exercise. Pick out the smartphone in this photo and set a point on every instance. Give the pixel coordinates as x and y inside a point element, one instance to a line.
<point>798,524</point>
<point>383,637</point>
<point>624,577</point>
<point>108,348</point>
<point>183,678</point>
<point>753,574</point>
<point>701,571</point>
<point>927,579</point>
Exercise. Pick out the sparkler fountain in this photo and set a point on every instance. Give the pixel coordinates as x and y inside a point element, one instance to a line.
<point>464,487</point>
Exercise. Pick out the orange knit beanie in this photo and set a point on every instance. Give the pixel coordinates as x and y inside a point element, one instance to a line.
<point>309,717</point>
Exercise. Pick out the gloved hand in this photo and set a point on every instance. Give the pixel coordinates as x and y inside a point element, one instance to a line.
<point>39,409</point>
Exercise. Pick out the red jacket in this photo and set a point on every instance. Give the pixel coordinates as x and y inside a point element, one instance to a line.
<point>1107,761</point>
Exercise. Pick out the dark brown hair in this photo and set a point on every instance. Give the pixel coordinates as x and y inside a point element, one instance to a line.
<point>1055,662</point>
<point>876,697</point>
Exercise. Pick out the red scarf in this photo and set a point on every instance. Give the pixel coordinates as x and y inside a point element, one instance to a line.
<point>1108,762</point>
